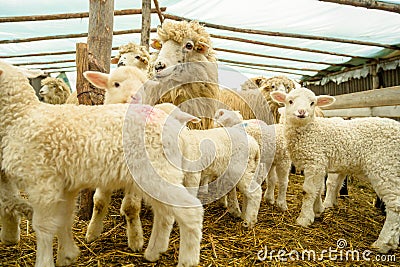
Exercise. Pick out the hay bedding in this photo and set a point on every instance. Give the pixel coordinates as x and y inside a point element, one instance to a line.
<point>226,242</point>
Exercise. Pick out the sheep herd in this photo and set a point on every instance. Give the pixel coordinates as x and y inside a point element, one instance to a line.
<point>168,134</point>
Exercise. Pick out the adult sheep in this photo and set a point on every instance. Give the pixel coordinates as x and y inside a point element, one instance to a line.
<point>54,151</point>
<point>367,148</point>
<point>132,54</point>
<point>187,70</point>
<point>54,91</point>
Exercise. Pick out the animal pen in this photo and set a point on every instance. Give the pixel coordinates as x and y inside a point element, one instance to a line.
<point>363,84</point>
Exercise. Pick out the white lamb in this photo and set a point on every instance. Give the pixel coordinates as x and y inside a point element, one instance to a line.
<point>226,153</point>
<point>274,155</point>
<point>53,151</point>
<point>368,147</point>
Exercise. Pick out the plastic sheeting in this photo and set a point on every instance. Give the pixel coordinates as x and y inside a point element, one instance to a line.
<point>309,17</point>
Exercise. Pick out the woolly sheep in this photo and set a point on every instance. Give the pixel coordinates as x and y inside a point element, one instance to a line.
<point>251,104</point>
<point>186,69</point>
<point>54,91</point>
<point>273,148</point>
<point>213,153</point>
<point>53,151</point>
<point>367,147</point>
<point>132,54</point>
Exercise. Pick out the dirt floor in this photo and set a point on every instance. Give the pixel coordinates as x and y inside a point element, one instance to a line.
<point>341,237</point>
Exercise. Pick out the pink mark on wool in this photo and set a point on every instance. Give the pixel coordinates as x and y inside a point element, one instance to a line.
<point>149,113</point>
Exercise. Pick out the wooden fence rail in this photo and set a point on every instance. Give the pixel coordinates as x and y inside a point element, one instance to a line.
<point>384,102</point>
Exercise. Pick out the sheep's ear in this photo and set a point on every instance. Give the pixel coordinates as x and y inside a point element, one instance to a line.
<point>184,117</point>
<point>144,60</point>
<point>156,44</point>
<point>114,60</point>
<point>202,47</point>
<point>258,81</point>
<point>96,78</point>
<point>325,100</point>
<point>278,96</point>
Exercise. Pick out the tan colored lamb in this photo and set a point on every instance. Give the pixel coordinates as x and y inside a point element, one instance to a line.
<point>132,54</point>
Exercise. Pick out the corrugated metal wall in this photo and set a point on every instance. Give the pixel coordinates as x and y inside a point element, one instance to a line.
<point>387,78</point>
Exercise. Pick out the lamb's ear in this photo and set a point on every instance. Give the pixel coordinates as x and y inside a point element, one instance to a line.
<point>184,117</point>
<point>96,78</point>
<point>278,96</point>
<point>325,100</point>
<point>114,60</point>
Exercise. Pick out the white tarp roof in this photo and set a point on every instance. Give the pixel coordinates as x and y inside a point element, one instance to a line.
<point>308,17</point>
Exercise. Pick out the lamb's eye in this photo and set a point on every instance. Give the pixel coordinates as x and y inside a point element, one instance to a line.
<point>290,102</point>
<point>312,103</point>
<point>137,57</point>
<point>116,84</point>
<point>189,46</point>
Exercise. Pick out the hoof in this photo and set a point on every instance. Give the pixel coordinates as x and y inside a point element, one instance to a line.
<point>305,222</point>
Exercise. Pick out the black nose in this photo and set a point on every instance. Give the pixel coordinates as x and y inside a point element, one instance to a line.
<point>159,66</point>
<point>121,64</point>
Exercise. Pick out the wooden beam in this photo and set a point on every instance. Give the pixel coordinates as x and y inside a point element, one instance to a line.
<point>389,96</point>
<point>146,23</point>
<point>386,111</point>
<point>243,40</point>
<point>45,62</point>
<point>371,4</point>
<point>274,57</point>
<point>159,11</point>
<point>290,35</point>
<point>66,36</point>
<point>265,65</point>
<point>72,15</point>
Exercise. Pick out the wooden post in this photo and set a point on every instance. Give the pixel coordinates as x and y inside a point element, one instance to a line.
<point>146,23</point>
<point>97,57</point>
<point>101,23</point>
<point>82,65</point>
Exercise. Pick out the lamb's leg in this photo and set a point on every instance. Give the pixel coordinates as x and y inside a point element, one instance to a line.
<point>233,204</point>
<point>68,251</point>
<point>162,226</point>
<point>283,180</point>
<point>101,201</point>
<point>131,209</point>
<point>10,220</point>
<point>389,236</point>
<point>312,185</point>
<point>190,222</point>
<point>10,229</point>
<point>272,178</point>
<point>46,221</point>
<point>333,185</point>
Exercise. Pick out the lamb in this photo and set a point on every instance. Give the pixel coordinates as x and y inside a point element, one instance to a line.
<point>367,147</point>
<point>54,91</point>
<point>67,148</point>
<point>253,83</point>
<point>132,54</point>
<point>122,86</point>
<point>274,154</point>
<point>228,154</point>
<point>186,69</point>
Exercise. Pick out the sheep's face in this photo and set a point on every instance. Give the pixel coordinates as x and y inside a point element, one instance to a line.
<point>122,85</point>
<point>131,59</point>
<point>50,90</point>
<point>278,83</point>
<point>172,55</point>
<point>227,118</point>
<point>300,104</point>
